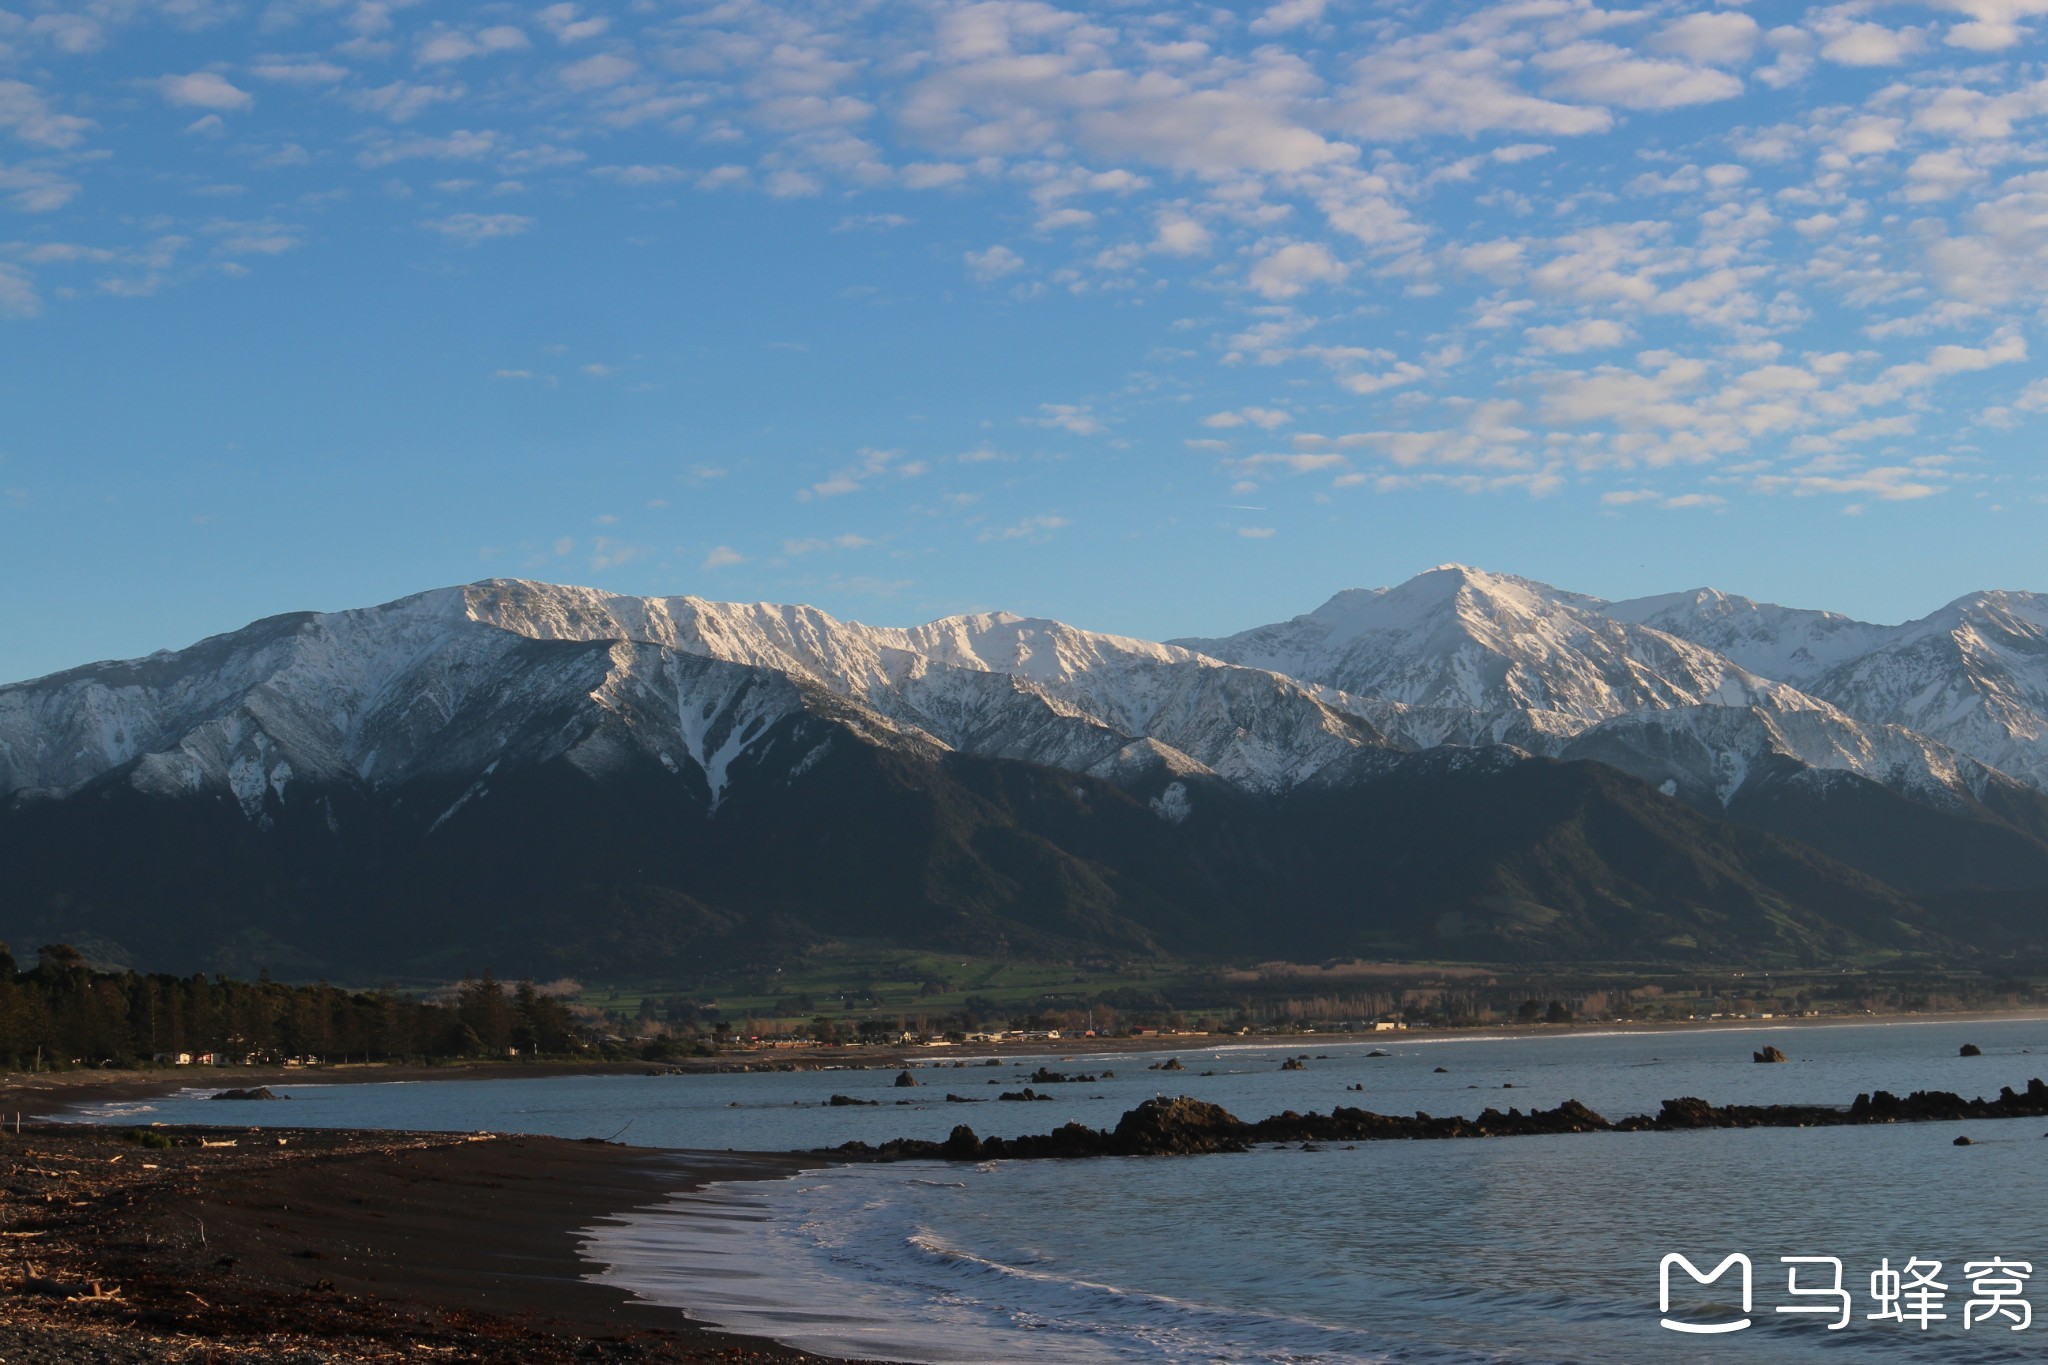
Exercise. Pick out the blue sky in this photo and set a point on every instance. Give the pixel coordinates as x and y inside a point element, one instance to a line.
<point>1159,319</point>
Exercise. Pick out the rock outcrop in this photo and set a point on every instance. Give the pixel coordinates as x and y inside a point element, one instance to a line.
<point>1184,1126</point>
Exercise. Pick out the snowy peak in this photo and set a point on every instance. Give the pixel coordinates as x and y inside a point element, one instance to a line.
<point>1459,639</point>
<point>443,683</point>
<point>992,684</point>
<point>1787,644</point>
<point>1973,675</point>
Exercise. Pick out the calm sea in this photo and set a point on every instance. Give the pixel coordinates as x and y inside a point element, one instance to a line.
<point>1514,1249</point>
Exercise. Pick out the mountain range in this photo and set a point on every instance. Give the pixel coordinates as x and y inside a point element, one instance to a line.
<point>1468,766</point>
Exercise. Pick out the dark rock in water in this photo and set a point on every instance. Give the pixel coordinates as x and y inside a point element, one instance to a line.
<point>1379,1052</point>
<point>1027,1093</point>
<point>1184,1126</point>
<point>1970,1050</point>
<point>261,1092</point>
<point>1769,1054</point>
<point>1357,1086</point>
<point>1108,1075</point>
<point>842,1101</point>
<point>1046,1076</point>
<point>1294,1064</point>
<point>993,1061</point>
<point>962,1099</point>
<point>904,1078</point>
<point>1177,1127</point>
<point>1443,1071</point>
<point>1507,1085</point>
<point>1964,1142</point>
<point>1170,1064</point>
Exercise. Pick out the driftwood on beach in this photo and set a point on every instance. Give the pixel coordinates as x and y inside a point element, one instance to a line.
<point>1184,1126</point>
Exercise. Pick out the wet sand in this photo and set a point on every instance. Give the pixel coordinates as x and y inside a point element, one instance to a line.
<point>322,1245</point>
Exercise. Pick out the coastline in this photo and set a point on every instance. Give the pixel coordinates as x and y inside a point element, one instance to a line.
<point>338,1245</point>
<point>243,1243</point>
<point>45,1095</point>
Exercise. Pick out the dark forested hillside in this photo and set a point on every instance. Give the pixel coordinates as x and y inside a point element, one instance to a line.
<point>559,871</point>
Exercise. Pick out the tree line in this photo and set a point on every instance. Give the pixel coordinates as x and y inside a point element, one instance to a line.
<point>61,1013</point>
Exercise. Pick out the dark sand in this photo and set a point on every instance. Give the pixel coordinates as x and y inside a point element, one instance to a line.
<point>333,1246</point>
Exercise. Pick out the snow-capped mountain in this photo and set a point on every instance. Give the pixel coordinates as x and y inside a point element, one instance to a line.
<point>1787,644</point>
<point>677,773</point>
<point>994,685</point>
<point>413,691</point>
<point>451,680</point>
<point>1457,639</point>
<point>459,680</point>
<point>1972,675</point>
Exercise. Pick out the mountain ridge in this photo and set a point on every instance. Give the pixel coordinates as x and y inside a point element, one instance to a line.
<point>1054,787</point>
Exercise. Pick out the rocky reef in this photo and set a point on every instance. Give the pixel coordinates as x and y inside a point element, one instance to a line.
<point>1183,1126</point>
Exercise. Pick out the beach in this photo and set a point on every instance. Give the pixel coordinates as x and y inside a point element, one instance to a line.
<point>287,1245</point>
<point>346,1242</point>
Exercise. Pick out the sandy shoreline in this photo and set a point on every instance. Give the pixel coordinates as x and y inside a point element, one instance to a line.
<point>323,1245</point>
<point>343,1245</point>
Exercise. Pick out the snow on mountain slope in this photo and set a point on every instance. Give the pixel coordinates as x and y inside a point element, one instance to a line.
<point>994,684</point>
<point>411,690</point>
<point>1787,644</point>
<point>1708,753</point>
<point>450,684</point>
<point>1458,640</point>
<point>447,684</point>
<point>1973,675</point>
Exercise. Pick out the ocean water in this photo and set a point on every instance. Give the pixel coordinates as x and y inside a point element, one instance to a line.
<point>1515,1249</point>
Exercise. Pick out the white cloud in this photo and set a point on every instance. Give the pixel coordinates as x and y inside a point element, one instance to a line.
<point>74,34</point>
<point>310,71</point>
<point>1077,419</point>
<point>471,228</point>
<point>1180,235</point>
<point>815,544</point>
<point>1848,43</point>
<point>404,101</point>
<point>28,115</point>
<point>204,90</point>
<point>596,72</point>
<point>33,190</point>
<point>873,463</point>
<point>460,145</point>
<point>1603,73</point>
<point>723,556</point>
<point>1721,37</point>
<point>18,296</point>
<point>1256,532</point>
<point>1289,14</point>
<point>1891,483</point>
<point>1295,268</point>
<point>455,45</point>
<point>1571,338</point>
<point>1266,419</point>
<point>562,20</point>
<point>1032,530</point>
<point>994,263</point>
<point>644,175</point>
